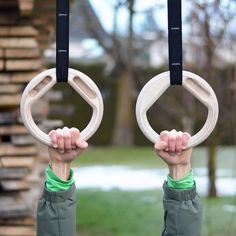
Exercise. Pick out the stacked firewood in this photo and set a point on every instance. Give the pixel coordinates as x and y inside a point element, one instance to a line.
<point>27,27</point>
<point>22,159</point>
<point>20,61</point>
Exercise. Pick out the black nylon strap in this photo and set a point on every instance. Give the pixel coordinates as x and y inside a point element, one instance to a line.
<point>175,41</point>
<point>62,40</point>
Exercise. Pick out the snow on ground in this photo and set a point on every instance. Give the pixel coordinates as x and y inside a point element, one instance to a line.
<point>129,179</point>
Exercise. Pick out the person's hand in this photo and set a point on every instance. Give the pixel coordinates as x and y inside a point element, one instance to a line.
<point>172,150</point>
<point>66,146</point>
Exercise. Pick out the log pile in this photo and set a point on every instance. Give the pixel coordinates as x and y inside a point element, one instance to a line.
<point>20,60</point>
<point>22,159</point>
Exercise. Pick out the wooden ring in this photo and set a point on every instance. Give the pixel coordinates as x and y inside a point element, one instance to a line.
<point>43,82</point>
<point>197,86</point>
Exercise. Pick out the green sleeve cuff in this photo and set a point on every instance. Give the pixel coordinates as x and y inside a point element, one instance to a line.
<point>55,184</point>
<point>185,183</point>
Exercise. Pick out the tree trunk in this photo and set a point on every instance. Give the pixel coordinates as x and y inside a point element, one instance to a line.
<point>123,130</point>
<point>212,151</point>
<point>234,100</point>
<point>188,121</point>
<point>213,139</point>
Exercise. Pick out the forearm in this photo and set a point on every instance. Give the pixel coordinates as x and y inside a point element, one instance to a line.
<point>56,213</point>
<point>61,169</point>
<point>179,171</point>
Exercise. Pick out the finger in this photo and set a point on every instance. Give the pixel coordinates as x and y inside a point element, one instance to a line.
<point>172,141</point>
<point>159,146</point>
<point>74,136</point>
<point>185,139</point>
<point>81,144</point>
<point>53,136</point>
<point>60,141</point>
<point>178,142</point>
<point>164,137</point>
<point>67,139</point>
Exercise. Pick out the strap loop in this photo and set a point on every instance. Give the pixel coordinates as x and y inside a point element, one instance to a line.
<point>175,41</point>
<point>62,40</point>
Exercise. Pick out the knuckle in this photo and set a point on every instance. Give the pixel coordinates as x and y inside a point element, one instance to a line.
<point>178,138</point>
<point>74,130</point>
<point>52,132</point>
<point>180,134</point>
<point>60,136</point>
<point>164,133</point>
<point>186,134</point>
<point>67,136</point>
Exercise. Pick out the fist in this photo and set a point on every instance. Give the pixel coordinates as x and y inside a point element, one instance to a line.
<point>172,148</point>
<point>66,144</point>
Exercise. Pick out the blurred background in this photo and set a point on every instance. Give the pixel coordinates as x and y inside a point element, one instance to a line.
<point>121,45</point>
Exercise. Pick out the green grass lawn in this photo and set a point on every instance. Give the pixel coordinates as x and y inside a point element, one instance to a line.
<point>140,214</point>
<point>117,213</point>
<point>130,156</point>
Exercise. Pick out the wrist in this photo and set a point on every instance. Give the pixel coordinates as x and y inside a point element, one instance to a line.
<point>61,169</point>
<point>177,172</point>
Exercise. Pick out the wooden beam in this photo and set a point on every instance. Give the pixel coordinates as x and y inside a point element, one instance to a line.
<point>19,221</point>
<point>17,231</point>
<point>23,64</point>
<point>13,129</point>
<point>21,53</point>
<point>11,209</point>
<point>14,185</point>
<point>12,162</point>
<point>18,43</point>
<point>22,140</point>
<point>13,173</point>
<point>10,150</point>
<point>10,100</point>
<point>19,31</point>
<point>17,77</point>
<point>14,206</point>
<point>10,88</point>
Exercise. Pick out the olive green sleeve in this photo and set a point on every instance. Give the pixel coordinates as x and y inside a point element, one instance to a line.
<point>56,214</point>
<point>183,212</point>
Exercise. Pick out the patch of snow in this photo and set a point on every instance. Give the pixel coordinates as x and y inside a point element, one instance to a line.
<point>229,208</point>
<point>125,178</point>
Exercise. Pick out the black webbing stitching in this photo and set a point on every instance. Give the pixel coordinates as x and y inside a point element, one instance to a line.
<point>62,40</point>
<point>175,41</point>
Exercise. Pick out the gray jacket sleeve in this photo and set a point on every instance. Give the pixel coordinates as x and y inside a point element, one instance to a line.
<point>183,212</point>
<point>56,214</point>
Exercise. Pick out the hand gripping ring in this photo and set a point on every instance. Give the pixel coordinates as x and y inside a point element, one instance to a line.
<point>43,82</point>
<point>195,85</point>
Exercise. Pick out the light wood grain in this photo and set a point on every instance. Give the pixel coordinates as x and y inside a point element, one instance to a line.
<point>10,150</point>
<point>18,31</point>
<point>23,64</point>
<point>17,231</point>
<point>12,162</point>
<point>18,43</point>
